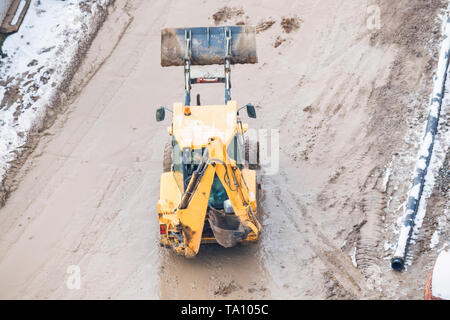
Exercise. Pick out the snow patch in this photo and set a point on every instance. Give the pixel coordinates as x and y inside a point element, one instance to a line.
<point>353,257</point>
<point>434,239</point>
<point>37,60</point>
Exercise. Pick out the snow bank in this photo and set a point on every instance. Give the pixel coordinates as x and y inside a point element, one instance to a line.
<point>423,179</point>
<point>38,58</point>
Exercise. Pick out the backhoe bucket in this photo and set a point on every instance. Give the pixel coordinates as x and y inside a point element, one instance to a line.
<point>208,45</point>
<point>227,229</point>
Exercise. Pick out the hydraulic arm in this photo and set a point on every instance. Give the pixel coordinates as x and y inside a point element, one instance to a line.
<point>193,209</point>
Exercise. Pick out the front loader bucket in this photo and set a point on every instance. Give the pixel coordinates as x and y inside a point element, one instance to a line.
<point>208,45</point>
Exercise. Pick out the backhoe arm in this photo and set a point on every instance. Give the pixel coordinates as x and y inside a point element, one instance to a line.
<point>192,217</point>
<point>194,204</point>
<point>244,203</point>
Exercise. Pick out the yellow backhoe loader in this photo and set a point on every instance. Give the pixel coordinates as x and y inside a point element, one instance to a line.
<point>208,190</point>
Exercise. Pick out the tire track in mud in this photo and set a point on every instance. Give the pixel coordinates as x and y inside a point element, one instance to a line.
<point>332,257</point>
<point>373,203</point>
<point>215,273</point>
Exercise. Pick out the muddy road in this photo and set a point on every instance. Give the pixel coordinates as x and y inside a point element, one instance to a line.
<point>336,92</point>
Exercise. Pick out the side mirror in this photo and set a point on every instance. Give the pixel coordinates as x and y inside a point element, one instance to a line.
<point>160,114</point>
<point>251,112</point>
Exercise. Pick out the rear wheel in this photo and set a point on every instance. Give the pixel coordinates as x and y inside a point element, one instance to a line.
<point>167,162</point>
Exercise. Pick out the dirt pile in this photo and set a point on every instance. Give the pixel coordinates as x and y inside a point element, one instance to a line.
<point>224,14</point>
<point>263,25</point>
<point>290,24</point>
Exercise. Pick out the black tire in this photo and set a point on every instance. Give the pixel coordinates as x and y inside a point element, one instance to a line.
<point>252,153</point>
<point>167,162</point>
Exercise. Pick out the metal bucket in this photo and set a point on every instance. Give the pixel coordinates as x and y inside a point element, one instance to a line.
<point>226,228</point>
<point>208,45</point>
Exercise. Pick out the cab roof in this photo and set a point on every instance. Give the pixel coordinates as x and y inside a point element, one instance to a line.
<point>203,123</point>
